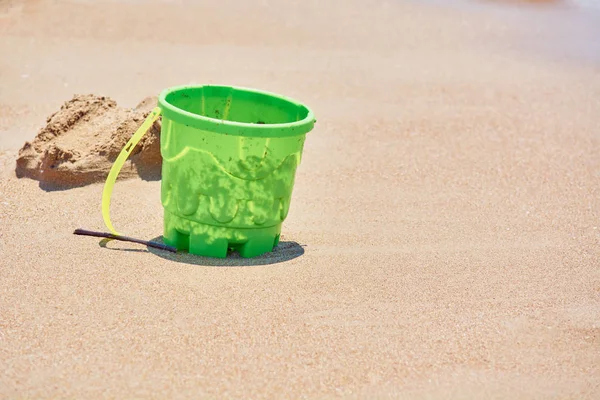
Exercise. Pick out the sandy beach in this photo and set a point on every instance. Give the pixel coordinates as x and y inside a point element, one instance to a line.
<point>443,239</point>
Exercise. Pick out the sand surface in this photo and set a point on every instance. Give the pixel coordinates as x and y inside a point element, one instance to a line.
<point>444,234</point>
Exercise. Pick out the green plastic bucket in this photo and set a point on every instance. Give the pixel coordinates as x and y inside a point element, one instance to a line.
<point>229,161</point>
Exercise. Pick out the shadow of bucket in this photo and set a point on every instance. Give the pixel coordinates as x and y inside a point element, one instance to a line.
<point>285,251</point>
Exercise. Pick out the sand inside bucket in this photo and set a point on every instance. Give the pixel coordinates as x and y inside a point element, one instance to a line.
<point>81,141</point>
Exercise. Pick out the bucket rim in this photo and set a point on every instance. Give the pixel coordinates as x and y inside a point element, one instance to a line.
<point>202,122</point>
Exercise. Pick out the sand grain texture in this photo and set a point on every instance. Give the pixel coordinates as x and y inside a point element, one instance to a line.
<point>442,242</point>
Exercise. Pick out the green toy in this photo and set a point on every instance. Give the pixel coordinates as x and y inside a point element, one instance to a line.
<point>229,161</point>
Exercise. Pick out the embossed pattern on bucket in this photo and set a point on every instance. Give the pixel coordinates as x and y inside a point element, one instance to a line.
<point>227,183</point>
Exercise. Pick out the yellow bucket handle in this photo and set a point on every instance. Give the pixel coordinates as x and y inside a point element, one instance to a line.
<point>119,162</point>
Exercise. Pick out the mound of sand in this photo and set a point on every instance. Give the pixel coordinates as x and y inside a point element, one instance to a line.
<point>81,141</point>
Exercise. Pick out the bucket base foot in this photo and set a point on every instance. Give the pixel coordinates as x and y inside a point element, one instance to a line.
<point>179,240</point>
<point>216,241</point>
<point>208,247</point>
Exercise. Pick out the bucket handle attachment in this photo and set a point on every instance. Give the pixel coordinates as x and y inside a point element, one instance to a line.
<point>118,164</point>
